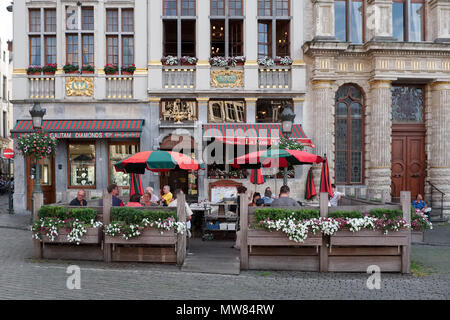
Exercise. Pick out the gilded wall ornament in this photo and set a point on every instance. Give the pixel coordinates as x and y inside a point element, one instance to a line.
<point>226,79</point>
<point>79,86</point>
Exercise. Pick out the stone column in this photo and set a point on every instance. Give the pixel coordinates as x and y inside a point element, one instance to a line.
<point>298,110</point>
<point>152,178</point>
<point>321,125</point>
<point>378,151</point>
<point>250,107</point>
<point>379,20</point>
<point>154,45</point>
<point>439,173</point>
<point>203,46</point>
<point>251,81</point>
<point>439,20</point>
<point>323,19</point>
<point>202,103</point>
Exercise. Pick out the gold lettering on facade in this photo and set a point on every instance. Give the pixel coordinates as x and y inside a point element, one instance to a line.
<point>79,86</point>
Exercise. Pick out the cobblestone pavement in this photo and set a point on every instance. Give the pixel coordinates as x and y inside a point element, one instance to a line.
<point>24,278</point>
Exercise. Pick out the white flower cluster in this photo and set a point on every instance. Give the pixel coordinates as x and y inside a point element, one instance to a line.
<point>133,230</point>
<point>132,233</point>
<point>112,229</point>
<point>328,226</point>
<point>266,62</point>
<point>296,231</point>
<point>356,224</point>
<point>77,232</point>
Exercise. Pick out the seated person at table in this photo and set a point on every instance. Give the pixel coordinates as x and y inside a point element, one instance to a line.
<point>260,202</point>
<point>113,190</point>
<point>166,196</point>
<point>145,200</point>
<point>420,205</point>
<point>79,200</point>
<point>153,197</point>
<point>284,200</point>
<point>135,200</point>
<point>256,197</point>
<point>336,197</point>
<point>268,196</point>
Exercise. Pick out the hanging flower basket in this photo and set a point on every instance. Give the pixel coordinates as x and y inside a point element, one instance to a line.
<point>283,61</point>
<point>34,70</point>
<point>37,145</point>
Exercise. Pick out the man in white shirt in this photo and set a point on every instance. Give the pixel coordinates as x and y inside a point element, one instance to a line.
<point>336,197</point>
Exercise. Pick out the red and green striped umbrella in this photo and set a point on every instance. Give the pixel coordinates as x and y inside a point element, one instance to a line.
<point>136,184</point>
<point>282,158</point>
<point>156,161</point>
<point>310,187</point>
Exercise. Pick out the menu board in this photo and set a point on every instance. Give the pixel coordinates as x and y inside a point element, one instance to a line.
<point>219,193</point>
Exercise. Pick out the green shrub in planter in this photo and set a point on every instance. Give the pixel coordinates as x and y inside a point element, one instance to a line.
<point>82,214</point>
<point>281,213</point>
<point>135,216</point>
<point>70,68</point>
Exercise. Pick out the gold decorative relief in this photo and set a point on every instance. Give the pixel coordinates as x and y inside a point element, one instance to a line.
<point>79,86</point>
<point>226,78</point>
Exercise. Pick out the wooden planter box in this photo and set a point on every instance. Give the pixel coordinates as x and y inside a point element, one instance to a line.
<point>417,236</point>
<point>274,251</point>
<point>150,236</point>
<point>92,236</point>
<point>356,251</point>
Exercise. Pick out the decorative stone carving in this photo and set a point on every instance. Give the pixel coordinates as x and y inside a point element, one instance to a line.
<point>323,17</point>
<point>178,110</point>
<point>440,20</point>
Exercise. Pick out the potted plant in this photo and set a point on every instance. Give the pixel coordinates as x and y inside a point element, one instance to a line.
<point>169,61</point>
<point>283,61</point>
<point>237,61</point>
<point>219,62</point>
<point>266,62</point>
<point>111,69</point>
<point>188,61</point>
<point>49,69</point>
<point>34,70</point>
<point>71,68</point>
<point>129,70</point>
<point>87,69</point>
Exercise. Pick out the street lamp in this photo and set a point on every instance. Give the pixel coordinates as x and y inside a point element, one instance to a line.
<point>37,113</point>
<point>287,118</point>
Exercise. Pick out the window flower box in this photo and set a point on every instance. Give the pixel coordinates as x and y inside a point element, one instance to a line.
<point>49,69</point>
<point>128,70</point>
<point>92,236</point>
<point>149,236</point>
<point>283,61</point>
<point>188,61</point>
<point>169,61</point>
<point>237,61</point>
<point>266,62</point>
<point>71,68</point>
<point>219,62</point>
<point>87,69</point>
<point>111,69</point>
<point>34,70</point>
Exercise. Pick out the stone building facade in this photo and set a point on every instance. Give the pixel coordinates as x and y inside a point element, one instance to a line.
<point>168,101</point>
<point>394,57</point>
<point>5,105</point>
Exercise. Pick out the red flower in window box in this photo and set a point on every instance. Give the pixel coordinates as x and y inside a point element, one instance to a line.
<point>49,69</point>
<point>128,70</point>
<point>34,70</point>
<point>111,69</point>
<point>87,69</point>
<point>71,68</point>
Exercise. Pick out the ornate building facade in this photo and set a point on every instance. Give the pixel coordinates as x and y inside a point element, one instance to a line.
<point>206,70</point>
<point>378,93</point>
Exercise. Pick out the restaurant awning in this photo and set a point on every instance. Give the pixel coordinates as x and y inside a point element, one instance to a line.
<point>130,128</point>
<point>254,134</point>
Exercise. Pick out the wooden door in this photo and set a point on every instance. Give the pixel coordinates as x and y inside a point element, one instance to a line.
<point>47,181</point>
<point>408,160</point>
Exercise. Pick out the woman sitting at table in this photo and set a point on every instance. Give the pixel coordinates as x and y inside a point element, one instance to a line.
<point>135,200</point>
<point>146,200</point>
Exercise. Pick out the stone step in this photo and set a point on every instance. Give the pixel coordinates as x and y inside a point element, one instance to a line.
<point>212,264</point>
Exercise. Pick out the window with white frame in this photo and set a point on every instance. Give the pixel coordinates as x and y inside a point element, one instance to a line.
<point>120,37</point>
<point>42,36</point>
<point>79,35</point>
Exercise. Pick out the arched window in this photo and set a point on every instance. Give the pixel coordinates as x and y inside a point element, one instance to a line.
<point>349,135</point>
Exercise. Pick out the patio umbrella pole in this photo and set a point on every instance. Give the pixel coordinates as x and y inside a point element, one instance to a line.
<point>285,176</point>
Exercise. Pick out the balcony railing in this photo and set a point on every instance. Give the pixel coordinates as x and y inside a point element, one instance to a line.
<point>119,87</point>
<point>275,78</point>
<point>41,87</point>
<point>178,77</point>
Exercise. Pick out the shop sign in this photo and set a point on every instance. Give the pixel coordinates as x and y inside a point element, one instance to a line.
<point>226,78</point>
<point>95,135</point>
<point>79,86</point>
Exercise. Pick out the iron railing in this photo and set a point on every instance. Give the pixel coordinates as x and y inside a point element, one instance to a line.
<point>442,199</point>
